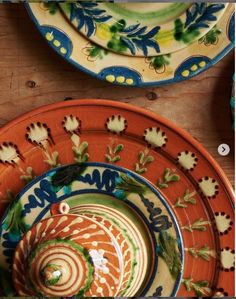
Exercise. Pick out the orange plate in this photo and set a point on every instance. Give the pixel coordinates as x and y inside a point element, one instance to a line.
<point>189,178</point>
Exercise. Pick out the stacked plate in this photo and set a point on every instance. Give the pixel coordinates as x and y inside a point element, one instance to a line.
<point>137,44</point>
<point>121,204</point>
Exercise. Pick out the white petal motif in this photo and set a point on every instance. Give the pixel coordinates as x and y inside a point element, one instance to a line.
<point>155,137</point>
<point>38,133</point>
<point>9,153</point>
<point>116,124</point>
<point>71,124</point>
<point>208,186</point>
<point>227,259</point>
<point>188,160</point>
<point>223,222</point>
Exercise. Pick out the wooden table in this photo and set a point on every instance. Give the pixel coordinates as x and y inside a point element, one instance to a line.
<point>33,75</point>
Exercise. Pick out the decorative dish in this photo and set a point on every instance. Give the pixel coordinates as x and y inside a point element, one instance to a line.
<point>191,181</point>
<point>133,71</point>
<point>100,216</point>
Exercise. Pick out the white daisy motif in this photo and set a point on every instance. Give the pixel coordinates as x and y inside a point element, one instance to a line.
<point>187,160</point>
<point>227,259</point>
<point>116,124</point>
<point>9,153</point>
<point>71,124</point>
<point>39,134</point>
<point>155,137</point>
<point>223,223</point>
<point>208,186</point>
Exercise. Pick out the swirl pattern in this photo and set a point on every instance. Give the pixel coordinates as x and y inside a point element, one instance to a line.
<point>59,256</point>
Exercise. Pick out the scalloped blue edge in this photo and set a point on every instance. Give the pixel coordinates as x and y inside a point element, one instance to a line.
<point>139,82</point>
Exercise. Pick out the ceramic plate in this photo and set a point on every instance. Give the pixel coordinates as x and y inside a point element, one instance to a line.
<point>191,181</point>
<point>112,197</point>
<point>133,71</point>
<point>143,30</point>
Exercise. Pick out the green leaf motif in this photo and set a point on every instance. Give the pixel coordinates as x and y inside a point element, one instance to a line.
<point>199,224</point>
<point>80,152</point>
<point>168,177</point>
<point>158,63</point>
<point>52,159</point>
<point>52,7</point>
<point>143,160</point>
<point>118,148</point>
<point>129,185</point>
<point>95,52</point>
<point>184,35</point>
<point>187,198</point>
<point>204,252</point>
<point>211,38</point>
<point>167,249</point>
<point>200,288</point>
<point>14,222</point>
<point>112,153</point>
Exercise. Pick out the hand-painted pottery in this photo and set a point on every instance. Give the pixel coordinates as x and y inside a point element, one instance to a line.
<point>118,217</point>
<point>67,255</point>
<point>191,181</point>
<point>134,71</point>
<point>122,219</point>
<point>142,29</point>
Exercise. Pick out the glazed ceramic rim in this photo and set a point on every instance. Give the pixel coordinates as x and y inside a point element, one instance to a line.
<point>163,27</point>
<point>175,79</point>
<point>140,179</point>
<point>111,103</point>
<point>186,138</point>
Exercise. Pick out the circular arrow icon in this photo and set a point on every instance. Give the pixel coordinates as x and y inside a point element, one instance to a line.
<point>223,149</point>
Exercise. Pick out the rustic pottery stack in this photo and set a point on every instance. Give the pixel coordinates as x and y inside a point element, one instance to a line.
<point>108,199</point>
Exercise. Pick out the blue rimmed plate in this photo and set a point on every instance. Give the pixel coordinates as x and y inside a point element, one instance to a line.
<point>103,190</point>
<point>133,71</point>
<point>192,182</point>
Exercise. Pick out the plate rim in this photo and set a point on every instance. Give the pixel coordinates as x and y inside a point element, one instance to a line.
<point>135,109</point>
<point>173,80</point>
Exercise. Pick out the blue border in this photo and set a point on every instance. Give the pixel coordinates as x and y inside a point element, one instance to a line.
<point>137,177</point>
<point>137,83</point>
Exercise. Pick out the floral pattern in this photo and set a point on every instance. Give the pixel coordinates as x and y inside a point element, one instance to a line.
<point>135,38</point>
<point>223,223</point>
<point>39,134</point>
<point>187,160</point>
<point>168,179</point>
<point>227,259</point>
<point>9,153</point>
<point>155,137</point>
<point>116,124</point>
<point>72,126</point>
<point>68,39</point>
<point>208,186</point>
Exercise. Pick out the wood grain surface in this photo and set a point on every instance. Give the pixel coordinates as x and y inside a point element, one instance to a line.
<point>32,74</point>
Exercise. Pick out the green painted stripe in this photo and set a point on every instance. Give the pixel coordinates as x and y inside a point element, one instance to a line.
<point>161,15</point>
